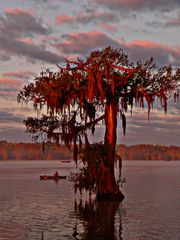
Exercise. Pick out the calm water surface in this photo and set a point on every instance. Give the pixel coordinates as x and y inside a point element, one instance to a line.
<point>33,209</point>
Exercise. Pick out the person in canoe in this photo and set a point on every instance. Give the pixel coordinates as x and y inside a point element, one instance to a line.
<point>56,174</point>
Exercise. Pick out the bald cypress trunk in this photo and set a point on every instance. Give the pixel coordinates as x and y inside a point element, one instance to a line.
<point>109,189</point>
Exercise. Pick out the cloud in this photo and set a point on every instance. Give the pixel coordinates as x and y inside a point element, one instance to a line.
<point>15,47</point>
<point>108,27</point>
<point>4,58</point>
<point>9,82</point>
<point>9,87</point>
<point>14,134</point>
<point>155,24</point>
<point>20,74</point>
<point>43,1</point>
<point>158,120</point>
<point>48,39</point>
<point>64,19</point>
<point>83,43</point>
<point>139,5</point>
<point>15,23</point>
<point>149,135</point>
<point>18,21</point>
<point>11,127</point>
<point>174,22</point>
<point>9,117</point>
<point>29,41</point>
<point>84,17</point>
<point>160,129</point>
<point>50,4</point>
<point>163,54</point>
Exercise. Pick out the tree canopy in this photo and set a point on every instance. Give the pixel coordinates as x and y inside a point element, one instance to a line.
<point>99,87</point>
<point>77,93</point>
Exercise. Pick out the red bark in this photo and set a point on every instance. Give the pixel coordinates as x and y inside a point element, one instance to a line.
<point>108,188</point>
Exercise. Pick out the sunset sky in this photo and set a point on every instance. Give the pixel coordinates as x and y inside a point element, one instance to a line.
<point>38,34</point>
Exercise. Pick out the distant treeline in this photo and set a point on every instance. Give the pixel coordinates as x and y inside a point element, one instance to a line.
<point>149,152</point>
<point>36,151</point>
<point>33,151</point>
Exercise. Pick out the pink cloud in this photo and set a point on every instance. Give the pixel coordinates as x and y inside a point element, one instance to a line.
<point>83,43</point>
<point>6,82</point>
<point>142,44</point>
<point>17,21</point>
<point>16,11</point>
<point>173,22</point>
<point>86,17</point>
<point>47,39</point>
<point>139,4</point>
<point>72,57</point>
<point>64,19</point>
<point>9,87</point>
<point>12,46</point>
<point>163,54</point>
<point>108,27</point>
<point>26,40</point>
<point>14,25</point>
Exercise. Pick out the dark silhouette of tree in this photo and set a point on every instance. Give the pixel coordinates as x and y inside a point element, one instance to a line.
<point>81,94</point>
<point>98,219</point>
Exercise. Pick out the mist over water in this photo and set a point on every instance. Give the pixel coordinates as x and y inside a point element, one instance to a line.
<point>33,209</point>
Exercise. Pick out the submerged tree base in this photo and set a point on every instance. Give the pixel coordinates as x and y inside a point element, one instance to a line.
<point>110,196</point>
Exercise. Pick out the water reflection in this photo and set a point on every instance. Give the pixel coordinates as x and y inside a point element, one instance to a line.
<point>31,209</point>
<point>97,220</point>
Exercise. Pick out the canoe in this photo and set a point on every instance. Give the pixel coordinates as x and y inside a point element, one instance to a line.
<point>65,161</point>
<point>47,177</point>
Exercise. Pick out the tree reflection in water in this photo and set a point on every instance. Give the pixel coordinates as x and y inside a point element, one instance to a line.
<point>97,220</point>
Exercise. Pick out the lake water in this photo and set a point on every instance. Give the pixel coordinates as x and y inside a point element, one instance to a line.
<point>33,209</point>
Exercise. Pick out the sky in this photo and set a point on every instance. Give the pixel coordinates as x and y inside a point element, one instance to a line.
<point>38,34</point>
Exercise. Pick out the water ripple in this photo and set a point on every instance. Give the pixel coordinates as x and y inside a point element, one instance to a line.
<point>33,209</point>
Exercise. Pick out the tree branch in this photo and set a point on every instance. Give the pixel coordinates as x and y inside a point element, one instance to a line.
<point>83,127</point>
